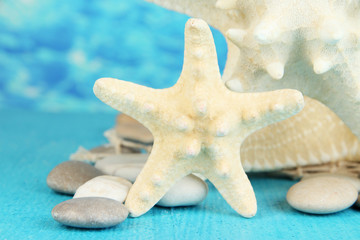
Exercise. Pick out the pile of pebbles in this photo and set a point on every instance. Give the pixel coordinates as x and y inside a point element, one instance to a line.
<point>99,191</point>
<point>100,179</point>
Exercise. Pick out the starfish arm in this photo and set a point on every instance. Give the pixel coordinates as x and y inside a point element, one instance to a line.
<point>233,184</point>
<point>265,108</point>
<point>200,58</point>
<point>159,174</point>
<point>132,99</point>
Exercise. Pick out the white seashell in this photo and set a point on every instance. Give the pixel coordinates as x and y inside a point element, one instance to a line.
<point>300,140</point>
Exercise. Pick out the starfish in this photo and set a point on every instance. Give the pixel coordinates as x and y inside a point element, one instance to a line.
<point>198,125</point>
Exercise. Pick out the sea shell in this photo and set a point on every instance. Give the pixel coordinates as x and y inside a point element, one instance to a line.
<point>313,136</point>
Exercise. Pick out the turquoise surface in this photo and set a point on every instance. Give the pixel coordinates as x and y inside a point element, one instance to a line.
<point>32,143</point>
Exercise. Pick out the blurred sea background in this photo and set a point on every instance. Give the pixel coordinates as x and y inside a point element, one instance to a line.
<point>51,52</point>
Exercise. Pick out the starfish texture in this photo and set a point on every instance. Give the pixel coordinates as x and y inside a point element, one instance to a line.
<point>309,45</point>
<point>294,142</point>
<point>198,125</point>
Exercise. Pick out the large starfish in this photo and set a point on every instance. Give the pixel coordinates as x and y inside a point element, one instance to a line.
<point>198,125</point>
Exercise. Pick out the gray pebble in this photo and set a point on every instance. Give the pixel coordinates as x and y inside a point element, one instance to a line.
<point>68,176</point>
<point>90,212</point>
<point>322,195</point>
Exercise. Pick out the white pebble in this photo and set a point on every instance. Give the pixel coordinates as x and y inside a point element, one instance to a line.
<point>112,187</point>
<point>189,191</point>
<point>322,195</point>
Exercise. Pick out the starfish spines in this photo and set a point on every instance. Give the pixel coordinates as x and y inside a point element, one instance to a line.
<point>130,98</point>
<point>198,127</point>
<point>317,41</point>
<point>159,174</point>
<point>193,148</point>
<point>200,58</point>
<point>261,109</point>
<point>226,4</point>
<point>233,184</point>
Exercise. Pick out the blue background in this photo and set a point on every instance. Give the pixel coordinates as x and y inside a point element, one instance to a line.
<point>51,52</point>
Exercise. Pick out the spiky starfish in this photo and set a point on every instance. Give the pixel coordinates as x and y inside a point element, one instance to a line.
<point>198,125</point>
<point>308,45</point>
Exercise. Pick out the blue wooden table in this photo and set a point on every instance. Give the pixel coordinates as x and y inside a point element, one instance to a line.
<point>32,143</point>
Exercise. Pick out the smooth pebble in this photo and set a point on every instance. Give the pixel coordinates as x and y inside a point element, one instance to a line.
<point>105,186</point>
<point>127,166</point>
<point>68,176</point>
<point>90,212</point>
<point>322,195</point>
<point>189,191</point>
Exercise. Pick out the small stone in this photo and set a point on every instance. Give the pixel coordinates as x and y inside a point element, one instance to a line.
<point>105,186</point>
<point>68,176</point>
<point>127,166</point>
<point>322,195</point>
<point>189,191</point>
<point>354,180</point>
<point>129,128</point>
<point>90,212</point>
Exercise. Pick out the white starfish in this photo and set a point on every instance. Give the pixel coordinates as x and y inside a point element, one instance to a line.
<point>198,125</point>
